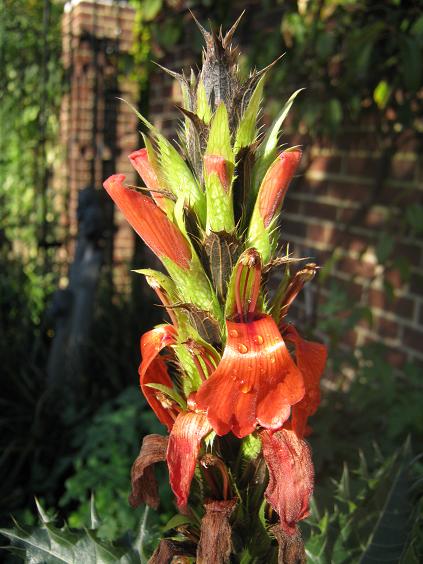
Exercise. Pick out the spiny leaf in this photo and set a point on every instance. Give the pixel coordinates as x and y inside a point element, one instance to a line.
<point>267,150</point>
<point>203,109</point>
<point>247,129</point>
<point>219,142</point>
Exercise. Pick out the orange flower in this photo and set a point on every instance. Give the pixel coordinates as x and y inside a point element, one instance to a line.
<point>256,382</point>
<point>153,370</point>
<point>310,359</point>
<point>276,183</point>
<point>186,428</point>
<point>139,160</point>
<point>150,222</point>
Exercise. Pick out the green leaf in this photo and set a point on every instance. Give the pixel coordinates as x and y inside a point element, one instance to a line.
<point>177,521</point>
<point>414,217</point>
<point>390,531</point>
<point>247,130</point>
<point>381,94</point>
<point>251,447</point>
<point>219,141</point>
<point>266,153</point>
<point>150,9</point>
<point>48,543</point>
<point>170,392</point>
<point>203,109</point>
<point>180,179</point>
<point>384,247</point>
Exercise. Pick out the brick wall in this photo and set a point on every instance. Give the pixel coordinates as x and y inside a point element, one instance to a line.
<point>323,210</point>
<point>98,130</point>
<point>329,192</point>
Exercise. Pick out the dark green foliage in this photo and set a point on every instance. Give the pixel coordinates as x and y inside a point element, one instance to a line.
<point>375,514</point>
<point>49,543</point>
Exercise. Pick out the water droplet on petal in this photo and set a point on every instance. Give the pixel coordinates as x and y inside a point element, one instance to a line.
<point>233,333</point>
<point>245,387</point>
<point>242,348</point>
<point>258,339</point>
<point>272,360</point>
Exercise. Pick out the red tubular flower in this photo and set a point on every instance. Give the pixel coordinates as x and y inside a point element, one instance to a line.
<point>139,160</point>
<point>291,477</point>
<point>153,370</point>
<point>182,452</point>
<point>275,184</point>
<point>218,165</point>
<point>150,222</point>
<point>311,359</point>
<point>256,382</point>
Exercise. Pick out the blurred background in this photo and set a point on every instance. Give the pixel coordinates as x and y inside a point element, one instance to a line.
<point>71,415</point>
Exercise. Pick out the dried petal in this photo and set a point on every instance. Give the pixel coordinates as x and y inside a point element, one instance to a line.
<point>184,446</point>
<point>291,477</point>
<point>311,359</point>
<point>295,286</point>
<point>276,183</point>
<point>291,547</point>
<point>215,538</point>
<point>144,484</point>
<point>255,382</point>
<point>153,370</point>
<point>168,550</point>
<point>150,222</point>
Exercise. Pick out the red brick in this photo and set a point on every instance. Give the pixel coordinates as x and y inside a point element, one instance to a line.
<point>347,191</point>
<point>358,267</point>
<point>386,327</point>
<point>396,358</point>
<point>293,227</point>
<point>361,166</point>
<point>293,206</point>
<point>413,338</point>
<point>416,284</point>
<point>325,164</point>
<point>402,307</point>
<point>321,211</point>
<point>403,169</point>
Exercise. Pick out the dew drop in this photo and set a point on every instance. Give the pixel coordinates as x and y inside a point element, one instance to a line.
<point>245,387</point>
<point>242,348</point>
<point>233,333</point>
<point>272,360</point>
<point>258,339</point>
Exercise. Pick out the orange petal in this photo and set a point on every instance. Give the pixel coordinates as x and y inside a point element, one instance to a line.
<point>182,452</point>
<point>291,477</point>
<point>153,369</point>
<point>311,359</point>
<point>218,165</point>
<point>150,222</point>
<point>255,382</point>
<point>139,160</point>
<point>275,184</point>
